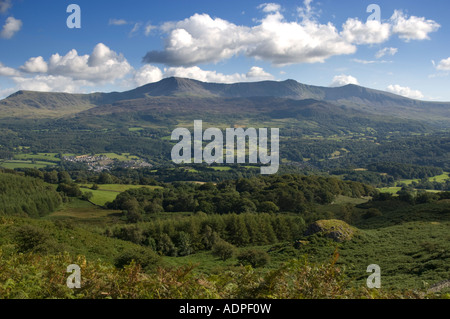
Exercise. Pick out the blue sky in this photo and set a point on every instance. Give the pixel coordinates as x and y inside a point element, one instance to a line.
<point>125,44</point>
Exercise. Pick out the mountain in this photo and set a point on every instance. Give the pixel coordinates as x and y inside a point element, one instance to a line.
<point>40,105</point>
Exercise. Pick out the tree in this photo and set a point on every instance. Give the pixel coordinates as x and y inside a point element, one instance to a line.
<point>142,256</point>
<point>87,196</point>
<point>165,246</point>
<point>184,244</point>
<point>30,238</point>
<point>64,178</point>
<point>223,250</point>
<point>71,190</point>
<point>253,257</point>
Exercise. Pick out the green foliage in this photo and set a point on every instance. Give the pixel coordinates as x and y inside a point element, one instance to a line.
<point>270,194</point>
<point>254,258</point>
<point>30,238</point>
<point>200,232</point>
<point>223,250</point>
<point>26,196</point>
<point>144,257</point>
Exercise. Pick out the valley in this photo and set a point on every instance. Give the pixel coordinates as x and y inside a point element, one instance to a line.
<point>89,179</point>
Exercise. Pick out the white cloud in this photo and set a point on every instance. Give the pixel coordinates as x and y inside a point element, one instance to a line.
<point>202,39</point>
<point>7,71</point>
<point>405,91</point>
<point>386,51</point>
<point>341,80</point>
<point>102,66</point>
<point>412,28</point>
<point>117,22</point>
<point>135,29</point>
<point>370,61</point>
<point>196,73</point>
<point>35,65</point>
<point>371,32</point>
<point>49,83</point>
<point>258,73</point>
<point>10,28</point>
<point>5,5</point>
<point>147,74</point>
<point>149,28</point>
<point>443,65</point>
<point>71,72</point>
<point>269,7</point>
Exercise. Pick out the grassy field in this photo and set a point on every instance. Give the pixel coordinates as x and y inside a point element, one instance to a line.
<point>108,192</point>
<point>25,164</point>
<point>411,244</point>
<point>394,190</point>
<point>438,178</point>
<point>47,157</point>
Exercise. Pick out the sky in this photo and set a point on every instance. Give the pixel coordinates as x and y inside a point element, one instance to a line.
<point>401,46</point>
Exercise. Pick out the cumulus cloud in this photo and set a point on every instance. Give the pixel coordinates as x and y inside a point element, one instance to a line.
<point>7,71</point>
<point>71,72</point>
<point>371,32</point>
<point>386,51</point>
<point>10,28</point>
<point>147,74</point>
<point>405,91</point>
<point>102,66</point>
<point>49,83</point>
<point>203,39</point>
<point>258,73</point>
<point>150,73</point>
<point>35,65</point>
<point>341,80</point>
<point>443,65</point>
<point>196,73</point>
<point>412,28</point>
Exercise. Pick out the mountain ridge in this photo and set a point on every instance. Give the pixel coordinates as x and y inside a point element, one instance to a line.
<point>49,104</point>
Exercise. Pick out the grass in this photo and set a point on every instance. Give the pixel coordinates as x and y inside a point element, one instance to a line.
<point>438,178</point>
<point>121,157</point>
<point>80,209</point>
<point>221,168</point>
<point>108,192</point>
<point>25,164</point>
<point>49,157</point>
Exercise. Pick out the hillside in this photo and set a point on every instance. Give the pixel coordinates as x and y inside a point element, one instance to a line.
<point>50,105</point>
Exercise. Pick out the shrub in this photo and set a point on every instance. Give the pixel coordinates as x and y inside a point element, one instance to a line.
<point>30,238</point>
<point>223,250</point>
<point>146,258</point>
<point>254,258</point>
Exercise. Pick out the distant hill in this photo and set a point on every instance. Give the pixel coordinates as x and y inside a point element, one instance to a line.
<point>41,105</point>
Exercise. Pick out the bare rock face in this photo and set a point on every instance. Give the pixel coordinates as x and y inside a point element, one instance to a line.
<point>335,229</point>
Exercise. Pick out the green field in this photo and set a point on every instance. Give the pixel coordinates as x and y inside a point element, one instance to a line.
<point>25,164</point>
<point>120,157</point>
<point>439,178</point>
<point>108,192</point>
<point>48,157</point>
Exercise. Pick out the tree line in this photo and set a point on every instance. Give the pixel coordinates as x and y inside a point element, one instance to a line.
<point>26,196</point>
<point>264,194</point>
<point>182,237</point>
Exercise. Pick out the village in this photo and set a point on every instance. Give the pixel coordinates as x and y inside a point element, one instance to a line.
<point>100,163</point>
